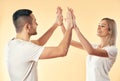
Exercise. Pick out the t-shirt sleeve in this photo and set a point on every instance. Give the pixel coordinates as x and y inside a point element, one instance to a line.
<point>112,51</point>
<point>33,52</point>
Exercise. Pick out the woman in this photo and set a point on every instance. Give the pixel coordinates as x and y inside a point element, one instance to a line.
<point>101,56</point>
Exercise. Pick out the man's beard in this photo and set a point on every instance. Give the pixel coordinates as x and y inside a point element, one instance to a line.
<point>33,33</point>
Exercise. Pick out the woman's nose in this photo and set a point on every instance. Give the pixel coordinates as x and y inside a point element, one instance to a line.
<point>36,23</point>
<point>98,26</point>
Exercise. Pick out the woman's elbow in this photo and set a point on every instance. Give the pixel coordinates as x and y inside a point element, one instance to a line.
<point>91,52</point>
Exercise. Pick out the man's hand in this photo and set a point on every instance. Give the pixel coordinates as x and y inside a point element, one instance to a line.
<point>59,19</point>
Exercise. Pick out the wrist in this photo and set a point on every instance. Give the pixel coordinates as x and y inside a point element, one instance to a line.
<point>76,28</point>
<point>70,28</point>
<point>55,24</point>
<point>62,25</point>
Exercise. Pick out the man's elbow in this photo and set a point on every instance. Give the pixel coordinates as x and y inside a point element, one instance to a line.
<point>64,52</point>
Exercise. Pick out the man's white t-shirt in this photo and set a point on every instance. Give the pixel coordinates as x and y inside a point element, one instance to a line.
<point>97,67</point>
<point>22,58</point>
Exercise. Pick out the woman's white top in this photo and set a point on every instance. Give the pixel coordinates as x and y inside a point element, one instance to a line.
<point>97,67</point>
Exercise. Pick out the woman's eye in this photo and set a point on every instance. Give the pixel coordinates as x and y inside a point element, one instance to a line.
<point>102,26</point>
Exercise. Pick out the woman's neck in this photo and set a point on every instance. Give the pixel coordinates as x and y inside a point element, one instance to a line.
<point>104,42</point>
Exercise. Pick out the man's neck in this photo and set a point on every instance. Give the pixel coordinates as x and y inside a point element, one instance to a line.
<point>22,36</point>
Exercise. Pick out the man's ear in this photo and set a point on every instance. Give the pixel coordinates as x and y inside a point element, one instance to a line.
<point>27,27</point>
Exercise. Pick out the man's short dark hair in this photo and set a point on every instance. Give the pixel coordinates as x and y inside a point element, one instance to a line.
<point>20,17</point>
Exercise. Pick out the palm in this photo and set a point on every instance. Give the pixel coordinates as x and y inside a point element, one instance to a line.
<point>69,18</point>
<point>59,19</point>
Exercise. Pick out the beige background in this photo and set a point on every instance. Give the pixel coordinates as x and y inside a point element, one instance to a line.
<point>71,67</point>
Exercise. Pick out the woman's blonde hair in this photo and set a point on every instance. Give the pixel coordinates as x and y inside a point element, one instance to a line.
<point>112,29</point>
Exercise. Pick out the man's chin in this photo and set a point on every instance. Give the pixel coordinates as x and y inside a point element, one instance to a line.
<point>34,33</point>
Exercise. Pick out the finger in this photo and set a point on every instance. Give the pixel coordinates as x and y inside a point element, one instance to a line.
<point>69,15</point>
<point>65,19</point>
<point>59,10</point>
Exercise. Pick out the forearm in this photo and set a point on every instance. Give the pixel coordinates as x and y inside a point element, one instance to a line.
<point>63,29</point>
<point>45,37</point>
<point>73,43</point>
<point>84,42</point>
<point>64,45</point>
<point>76,44</point>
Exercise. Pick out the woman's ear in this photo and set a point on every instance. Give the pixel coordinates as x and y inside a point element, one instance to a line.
<point>110,32</point>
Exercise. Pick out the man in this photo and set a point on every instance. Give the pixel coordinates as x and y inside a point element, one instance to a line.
<point>23,53</point>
